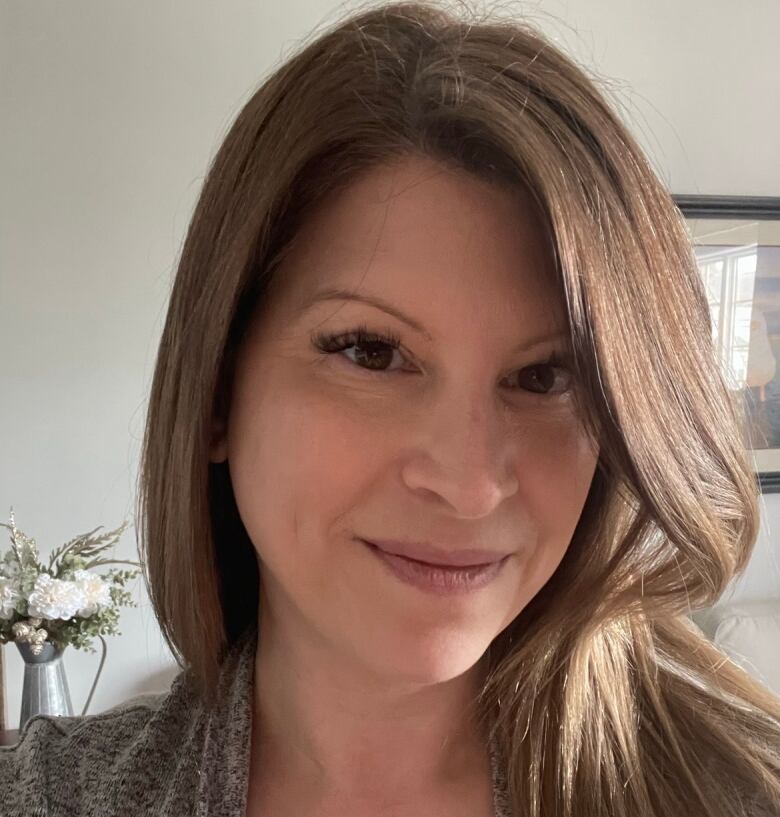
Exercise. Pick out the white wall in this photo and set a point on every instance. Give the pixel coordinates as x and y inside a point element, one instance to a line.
<point>110,113</point>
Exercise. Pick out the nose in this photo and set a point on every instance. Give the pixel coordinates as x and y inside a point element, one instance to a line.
<point>466,458</point>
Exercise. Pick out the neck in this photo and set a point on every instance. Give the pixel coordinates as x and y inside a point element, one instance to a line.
<point>339,731</point>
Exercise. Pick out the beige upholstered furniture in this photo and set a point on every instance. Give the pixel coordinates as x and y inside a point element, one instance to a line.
<point>749,633</point>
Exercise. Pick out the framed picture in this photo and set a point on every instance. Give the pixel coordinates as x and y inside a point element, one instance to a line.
<point>737,244</point>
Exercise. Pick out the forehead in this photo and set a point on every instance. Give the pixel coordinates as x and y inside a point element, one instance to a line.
<point>424,235</point>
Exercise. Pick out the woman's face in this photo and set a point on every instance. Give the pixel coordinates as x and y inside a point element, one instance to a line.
<point>450,439</point>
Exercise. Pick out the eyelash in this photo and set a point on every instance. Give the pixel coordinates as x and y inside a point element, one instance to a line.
<point>329,344</point>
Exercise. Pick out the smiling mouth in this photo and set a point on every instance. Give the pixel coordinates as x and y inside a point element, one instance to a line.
<point>437,557</point>
<point>450,568</point>
<point>476,566</point>
<point>439,579</point>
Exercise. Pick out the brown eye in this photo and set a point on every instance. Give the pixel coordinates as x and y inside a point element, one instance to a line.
<point>374,349</point>
<point>540,378</point>
<point>373,354</point>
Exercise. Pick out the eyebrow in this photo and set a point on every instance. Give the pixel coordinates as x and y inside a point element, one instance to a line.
<point>332,294</point>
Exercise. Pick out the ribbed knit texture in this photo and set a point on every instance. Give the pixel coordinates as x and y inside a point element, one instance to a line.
<point>166,757</point>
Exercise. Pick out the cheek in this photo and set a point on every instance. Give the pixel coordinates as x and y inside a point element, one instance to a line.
<point>556,468</point>
<point>554,475</point>
<point>293,459</point>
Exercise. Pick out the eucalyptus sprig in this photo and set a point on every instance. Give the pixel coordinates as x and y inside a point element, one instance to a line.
<point>85,546</point>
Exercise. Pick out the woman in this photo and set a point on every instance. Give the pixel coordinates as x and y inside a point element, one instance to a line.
<point>438,458</point>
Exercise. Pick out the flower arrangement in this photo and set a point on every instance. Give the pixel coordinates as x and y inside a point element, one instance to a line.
<point>61,602</point>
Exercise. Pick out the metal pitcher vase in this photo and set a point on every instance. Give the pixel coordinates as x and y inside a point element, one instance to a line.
<point>45,686</point>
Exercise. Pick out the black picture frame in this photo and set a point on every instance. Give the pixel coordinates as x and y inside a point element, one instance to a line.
<point>754,225</point>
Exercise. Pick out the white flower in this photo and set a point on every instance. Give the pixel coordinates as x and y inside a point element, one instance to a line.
<point>96,592</point>
<point>9,596</point>
<point>55,598</point>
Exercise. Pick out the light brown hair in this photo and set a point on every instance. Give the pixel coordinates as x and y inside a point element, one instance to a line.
<point>603,699</point>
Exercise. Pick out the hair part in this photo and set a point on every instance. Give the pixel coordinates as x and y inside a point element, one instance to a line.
<point>603,698</point>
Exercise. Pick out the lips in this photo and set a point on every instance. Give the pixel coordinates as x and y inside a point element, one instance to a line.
<point>439,557</point>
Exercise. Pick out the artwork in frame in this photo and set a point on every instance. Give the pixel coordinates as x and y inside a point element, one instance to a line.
<point>737,245</point>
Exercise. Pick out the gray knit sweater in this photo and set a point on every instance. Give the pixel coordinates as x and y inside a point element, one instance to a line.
<point>168,756</point>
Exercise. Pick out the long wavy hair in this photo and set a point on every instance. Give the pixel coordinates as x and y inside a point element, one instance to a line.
<point>603,698</point>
